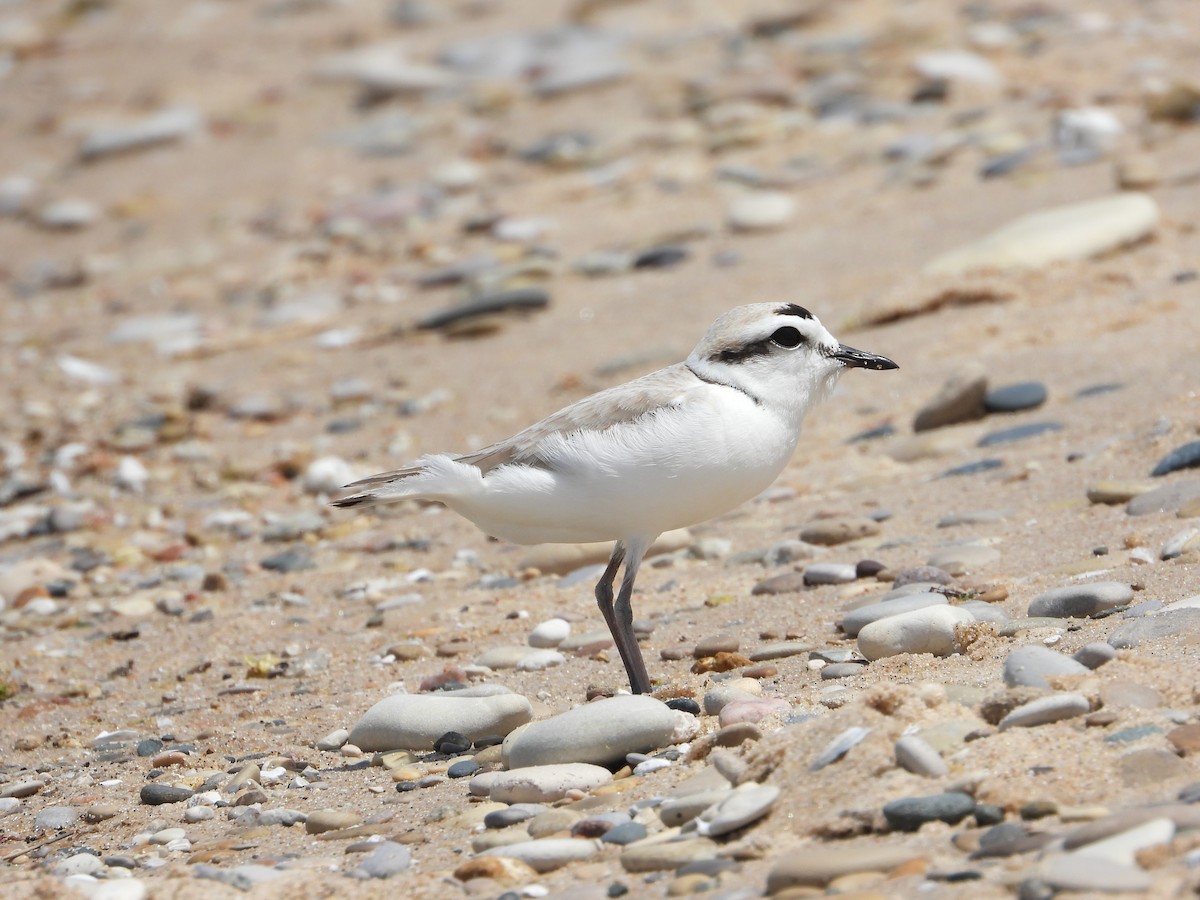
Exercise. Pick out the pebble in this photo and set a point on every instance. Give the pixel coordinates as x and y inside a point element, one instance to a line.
<point>761,211</point>
<point>550,633</point>
<point>334,740</point>
<point>958,66</point>
<point>834,671</point>
<point>79,864</point>
<point>722,695</point>
<point>747,804</point>
<point>602,733</point>
<point>1044,710</point>
<point>54,818</point>
<point>1019,433</point>
<point>68,215</point>
<point>910,813</point>
<point>1071,872</point>
<point>786,583</point>
<point>244,877</point>
<point>1123,846</point>
<point>928,630</point>
<point>676,811</point>
<point>1015,397</point>
<point>1095,655</point>
<point>817,866</point>
<point>856,619</point>
<point>323,820</point>
<point>839,747</point>
<point>1115,492</point>
<point>1168,498</point>
<point>656,853</point>
<point>624,834</point>
<point>1186,456</point>
<point>779,650</point>
<point>753,709</point>
<point>830,573</point>
<point>415,721</point>
<point>1131,633</point>
<point>9,805</point>
<point>1059,234</point>
<point>159,794</point>
<point>387,859</point>
<point>488,305</point>
<point>512,815</point>
<point>547,783</point>
<point>959,400</point>
<point>838,530</point>
<point>720,643</point>
<point>540,659</point>
<point>1033,664</point>
<point>1080,600</point>
<point>914,754</point>
<point>1180,543</point>
<point>548,854</point>
<point>974,468</point>
<point>171,124</point>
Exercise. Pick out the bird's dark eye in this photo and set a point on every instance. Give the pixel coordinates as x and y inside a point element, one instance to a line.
<point>787,336</point>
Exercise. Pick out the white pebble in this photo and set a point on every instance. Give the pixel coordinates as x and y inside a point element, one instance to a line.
<point>550,633</point>
<point>928,630</point>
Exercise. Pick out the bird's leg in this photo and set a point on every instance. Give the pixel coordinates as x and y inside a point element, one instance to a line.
<point>622,627</point>
<point>604,590</point>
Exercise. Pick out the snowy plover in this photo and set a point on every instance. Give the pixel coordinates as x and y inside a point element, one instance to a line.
<point>670,449</point>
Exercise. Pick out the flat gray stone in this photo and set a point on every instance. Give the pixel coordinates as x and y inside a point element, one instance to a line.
<point>857,619</point>
<point>1044,710</point>
<point>547,783</point>
<point>1167,498</point>
<point>929,630</point>
<point>1032,665</point>
<point>548,854</point>
<point>415,721</point>
<point>386,860</point>
<point>1133,632</point>
<point>602,733</point>
<point>1072,872</point>
<point>1080,600</point>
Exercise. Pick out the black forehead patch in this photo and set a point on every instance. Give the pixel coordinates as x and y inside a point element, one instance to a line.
<point>793,309</point>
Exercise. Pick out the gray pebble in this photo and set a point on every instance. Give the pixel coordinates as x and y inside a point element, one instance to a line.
<point>1167,498</point>
<point>625,833</point>
<point>524,298</point>
<point>854,621</point>
<point>1019,433</point>
<point>959,400</point>
<point>830,573</point>
<point>1080,600</point>
<point>54,818</point>
<point>602,732</point>
<point>910,813</point>
<point>747,804</point>
<point>1015,397</point>
<point>158,794</point>
<point>1033,664</point>
<point>243,878</point>
<point>79,864</point>
<point>1133,632</point>
<point>513,815</point>
<point>1044,710</point>
<point>1184,457</point>
<point>386,860</point>
<point>1095,655</point>
<point>841,670</point>
<point>787,583</point>
<point>929,575</point>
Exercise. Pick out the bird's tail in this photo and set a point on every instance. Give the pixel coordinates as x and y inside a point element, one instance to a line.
<point>382,488</point>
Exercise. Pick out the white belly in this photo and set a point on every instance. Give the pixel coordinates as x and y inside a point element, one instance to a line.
<point>678,468</point>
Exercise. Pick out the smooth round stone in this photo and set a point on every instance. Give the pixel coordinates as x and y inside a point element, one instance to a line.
<point>547,854</point>
<point>857,619</point>
<point>387,859</point>
<point>547,783</point>
<point>1185,457</point>
<point>985,612</point>
<point>677,811</point>
<point>8,806</point>
<point>463,769</point>
<point>830,573</point>
<point>1015,397</point>
<point>747,804</point>
<point>457,175</point>
<point>655,855</point>
<point>324,820</point>
<point>1161,625</point>
<point>550,633</point>
<point>754,709</point>
<point>1032,665</point>
<point>761,211</point>
<point>786,583</point>
<point>540,659</point>
<point>818,866</point>
<point>1167,498</point>
<point>595,826</point>
<point>54,818</point>
<point>959,400</point>
<point>1072,872</point>
<point>838,530</point>
<point>910,813</point>
<point>914,754</point>
<point>157,794</point>
<point>1080,600</point>
<point>1180,543</point>
<point>167,835</point>
<point>1044,710</point>
<point>415,721</point>
<point>1014,627</point>
<point>963,559</point>
<point>1062,233</point>
<point>1095,655</point>
<point>552,821</point>
<point>1115,492</point>
<point>334,740</point>
<point>601,733</point>
<point>917,580</point>
<point>975,517</point>
<point>1122,693</point>
<point>780,650</point>
<point>625,833</point>
<point>79,864</point>
<point>513,815</point>
<point>194,814</point>
<point>1123,846</point>
<point>504,657</point>
<point>928,630</point>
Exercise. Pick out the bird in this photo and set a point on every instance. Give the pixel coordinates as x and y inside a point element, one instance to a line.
<point>668,450</point>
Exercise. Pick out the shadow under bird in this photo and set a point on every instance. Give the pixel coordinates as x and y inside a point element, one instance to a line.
<point>668,450</point>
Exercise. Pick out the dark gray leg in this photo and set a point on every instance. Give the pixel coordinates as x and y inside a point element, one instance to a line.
<point>604,591</point>
<point>631,654</point>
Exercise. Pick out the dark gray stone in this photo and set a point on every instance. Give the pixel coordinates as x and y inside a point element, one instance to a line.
<point>1015,397</point>
<point>158,794</point>
<point>1020,433</point>
<point>910,813</point>
<point>1185,457</point>
<point>1079,600</point>
<point>625,833</point>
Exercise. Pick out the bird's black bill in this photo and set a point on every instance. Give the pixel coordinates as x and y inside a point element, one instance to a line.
<point>859,359</point>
